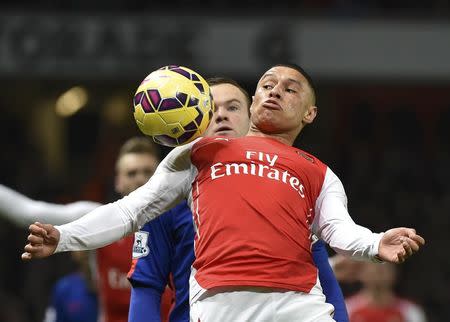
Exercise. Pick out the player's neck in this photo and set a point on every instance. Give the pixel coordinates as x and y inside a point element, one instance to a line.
<point>379,296</point>
<point>285,138</point>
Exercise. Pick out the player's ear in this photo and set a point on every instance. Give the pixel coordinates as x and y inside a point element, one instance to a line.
<point>251,105</point>
<point>310,114</point>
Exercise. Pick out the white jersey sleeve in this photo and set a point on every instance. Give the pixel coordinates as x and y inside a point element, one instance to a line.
<point>23,211</point>
<point>50,315</point>
<point>333,224</point>
<point>414,313</point>
<point>170,184</point>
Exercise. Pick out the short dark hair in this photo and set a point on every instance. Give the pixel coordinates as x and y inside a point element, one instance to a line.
<point>302,71</point>
<point>225,80</point>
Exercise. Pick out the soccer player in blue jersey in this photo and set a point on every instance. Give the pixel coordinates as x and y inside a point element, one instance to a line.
<point>164,246</point>
<point>74,296</point>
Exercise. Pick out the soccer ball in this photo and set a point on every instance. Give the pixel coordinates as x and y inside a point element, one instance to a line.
<point>173,105</point>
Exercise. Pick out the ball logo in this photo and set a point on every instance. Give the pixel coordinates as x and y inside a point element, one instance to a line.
<point>206,103</point>
<point>140,247</point>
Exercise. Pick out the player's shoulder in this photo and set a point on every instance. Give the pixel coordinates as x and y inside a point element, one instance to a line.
<point>406,303</point>
<point>208,140</point>
<point>309,157</point>
<point>312,162</point>
<point>177,215</point>
<point>182,206</point>
<point>412,310</point>
<point>167,220</point>
<point>158,223</point>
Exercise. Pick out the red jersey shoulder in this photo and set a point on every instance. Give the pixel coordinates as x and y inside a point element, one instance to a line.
<point>206,149</point>
<point>311,158</point>
<point>209,140</point>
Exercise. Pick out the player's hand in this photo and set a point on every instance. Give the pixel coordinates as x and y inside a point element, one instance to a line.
<point>42,241</point>
<point>398,244</point>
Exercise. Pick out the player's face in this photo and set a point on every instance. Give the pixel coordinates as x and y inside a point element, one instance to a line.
<point>82,259</point>
<point>133,170</point>
<point>378,276</point>
<point>283,102</point>
<point>231,115</point>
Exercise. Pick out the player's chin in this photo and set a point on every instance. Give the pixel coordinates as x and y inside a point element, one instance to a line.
<point>26,256</point>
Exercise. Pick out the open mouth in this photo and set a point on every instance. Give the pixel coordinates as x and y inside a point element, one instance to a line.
<point>223,129</point>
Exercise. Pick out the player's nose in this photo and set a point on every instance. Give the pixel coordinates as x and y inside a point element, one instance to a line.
<point>141,179</point>
<point>275,91</point>
<point>220,114</point>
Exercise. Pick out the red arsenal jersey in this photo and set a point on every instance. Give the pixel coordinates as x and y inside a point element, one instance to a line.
<point>113,264</point>
<point>362,309</point>
<point>263,194</point>
<point>255,203</point>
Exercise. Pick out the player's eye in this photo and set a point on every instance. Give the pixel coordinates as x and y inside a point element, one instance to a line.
<point>290,90</point>
<point>131,174</point>
<point>233,108</point>
<point>267,86</point>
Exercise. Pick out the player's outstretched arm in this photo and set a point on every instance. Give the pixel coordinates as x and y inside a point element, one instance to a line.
<point>398,244</point>
<point>42,241</point>
<point>109,223</point>
<point>333,224</point>
<point>23,211</point>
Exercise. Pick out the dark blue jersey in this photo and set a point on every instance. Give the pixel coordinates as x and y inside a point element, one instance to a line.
<point>72,301</point>
<point>166,245</point>
<point>162,247</point>
<point>145,304</point>
<point>330,286</point>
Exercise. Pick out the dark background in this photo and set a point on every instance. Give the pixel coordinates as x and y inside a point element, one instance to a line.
<point>383,125</point>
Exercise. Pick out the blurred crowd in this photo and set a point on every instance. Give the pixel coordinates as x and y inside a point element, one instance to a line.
<point>393,154</point>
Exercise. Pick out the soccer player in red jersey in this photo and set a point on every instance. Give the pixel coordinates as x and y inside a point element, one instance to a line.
<point>166,245</point>
<point>376,300</point>
<point>256,201</point>
<point>136,163</point>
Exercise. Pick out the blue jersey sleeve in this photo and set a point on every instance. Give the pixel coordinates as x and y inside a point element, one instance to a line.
<point>182,261</point>
<point>145,304</point>
<point>331,288</point>
<point>161,247</point>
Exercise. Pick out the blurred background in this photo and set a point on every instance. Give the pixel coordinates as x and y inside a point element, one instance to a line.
<point>68,72</point>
